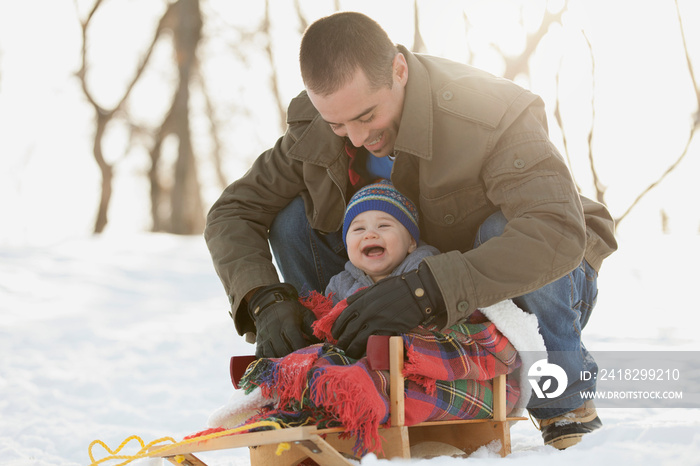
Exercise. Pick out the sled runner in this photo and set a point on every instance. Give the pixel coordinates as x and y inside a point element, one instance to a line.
<point>290,446</point>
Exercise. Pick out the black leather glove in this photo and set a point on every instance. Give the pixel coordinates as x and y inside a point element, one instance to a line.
<point>391,306</point>
<point>283,324</point>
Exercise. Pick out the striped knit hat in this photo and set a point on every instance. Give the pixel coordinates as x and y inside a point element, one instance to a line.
<point>382,196</point>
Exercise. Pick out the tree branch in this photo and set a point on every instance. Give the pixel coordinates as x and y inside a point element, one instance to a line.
<point>418,42</point>
<point>560,123</point>
<point>696,88</point>
<point>691,135</point>
<point>82,72</point>
<point>213,130</point>
<point>599,188</point>
<point>274,83</point>
<point>303,23</point>
<point>521,62</point>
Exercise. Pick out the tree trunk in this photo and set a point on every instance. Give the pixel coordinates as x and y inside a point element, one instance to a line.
<point>105,170</point>
<point>187,216</point>
<point>179,210</point>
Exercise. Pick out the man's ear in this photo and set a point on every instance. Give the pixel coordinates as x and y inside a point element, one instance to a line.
<point>412,247</point>
<point>400,68</point>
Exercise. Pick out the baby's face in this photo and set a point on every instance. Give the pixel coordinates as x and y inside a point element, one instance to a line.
<point>378,243</point>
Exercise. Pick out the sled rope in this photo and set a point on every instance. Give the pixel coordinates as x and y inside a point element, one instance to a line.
<point>144,453</point>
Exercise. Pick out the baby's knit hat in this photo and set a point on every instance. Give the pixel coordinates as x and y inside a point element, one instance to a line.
<point>382,196</point>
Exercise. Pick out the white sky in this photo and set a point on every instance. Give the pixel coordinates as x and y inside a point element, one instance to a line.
<point>49,185</point>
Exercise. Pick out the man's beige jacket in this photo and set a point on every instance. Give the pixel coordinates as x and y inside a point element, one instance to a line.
<point>469,144</point>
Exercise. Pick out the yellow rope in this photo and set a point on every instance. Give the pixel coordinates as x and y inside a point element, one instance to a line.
<point>144,453</point>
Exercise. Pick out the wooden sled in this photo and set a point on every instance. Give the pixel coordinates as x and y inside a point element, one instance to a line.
<point>326,448</point>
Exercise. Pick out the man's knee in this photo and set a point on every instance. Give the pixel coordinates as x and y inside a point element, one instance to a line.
<point>492,227</point>
<point>290,221</point>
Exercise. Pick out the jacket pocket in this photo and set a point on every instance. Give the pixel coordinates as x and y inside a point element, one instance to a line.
<point>538,189</point>
<point>449,222</point>
<point>453,207</point>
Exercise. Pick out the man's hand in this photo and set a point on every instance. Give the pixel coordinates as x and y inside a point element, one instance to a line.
<point>283,324</point>
<point>391,306</point>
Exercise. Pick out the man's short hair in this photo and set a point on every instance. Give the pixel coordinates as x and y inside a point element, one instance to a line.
<point>334,47</point>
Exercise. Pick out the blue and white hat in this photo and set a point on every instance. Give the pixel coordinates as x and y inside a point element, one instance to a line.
<point>384,197</point>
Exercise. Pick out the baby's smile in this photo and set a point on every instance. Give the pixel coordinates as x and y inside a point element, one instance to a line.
<point>373,251</point>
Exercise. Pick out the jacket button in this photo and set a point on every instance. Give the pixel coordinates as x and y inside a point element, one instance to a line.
<point>463,306</point>
<point>447,95</point>
<point>449,219</point>
<point>519,163</point>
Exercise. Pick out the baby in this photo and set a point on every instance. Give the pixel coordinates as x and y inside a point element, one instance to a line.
<point>381,235</point>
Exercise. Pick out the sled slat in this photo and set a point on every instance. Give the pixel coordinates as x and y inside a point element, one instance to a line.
<point>188,459</point>
<point>396,382</point>
<point>266,437</point>
<point>323,453</point>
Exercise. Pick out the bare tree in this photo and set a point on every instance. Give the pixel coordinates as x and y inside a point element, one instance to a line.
<point>597,183</point>
<point>560,122</point>
<point>266,30</point>
<point>691,134</point>
<point>418,42</point>
<point>103,115</point>
<point>470,52</point>
<point>303,23</point>
<point>185,214</point>
<point>599,187</point>
<point>217,144</point>
<point>520,63</point>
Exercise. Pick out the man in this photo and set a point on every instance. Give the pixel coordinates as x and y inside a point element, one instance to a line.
<point>472,153</point>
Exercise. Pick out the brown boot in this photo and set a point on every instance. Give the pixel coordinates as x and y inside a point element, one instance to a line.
<point>567,429</point>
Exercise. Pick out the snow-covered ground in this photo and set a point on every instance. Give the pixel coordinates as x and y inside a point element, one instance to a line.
<point>105,337</point>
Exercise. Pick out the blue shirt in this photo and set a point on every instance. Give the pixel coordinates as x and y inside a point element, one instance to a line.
<point>380,167</point>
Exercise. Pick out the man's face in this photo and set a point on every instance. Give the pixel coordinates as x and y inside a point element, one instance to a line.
<point>368,117</point>
<point>378,243</point>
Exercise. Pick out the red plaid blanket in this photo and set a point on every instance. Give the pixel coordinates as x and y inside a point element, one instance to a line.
<point>448,376</point>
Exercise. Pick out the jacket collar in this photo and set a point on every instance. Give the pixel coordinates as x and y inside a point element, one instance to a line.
<point>416,129</point>
<point>318,145</point>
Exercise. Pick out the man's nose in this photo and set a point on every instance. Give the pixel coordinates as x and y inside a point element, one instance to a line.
<point>357,135</point>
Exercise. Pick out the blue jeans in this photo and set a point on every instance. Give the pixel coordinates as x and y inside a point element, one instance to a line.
<point>305,257</point>
<point>308,259</point>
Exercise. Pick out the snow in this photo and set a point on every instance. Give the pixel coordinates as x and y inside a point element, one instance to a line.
<point>107,337</point>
